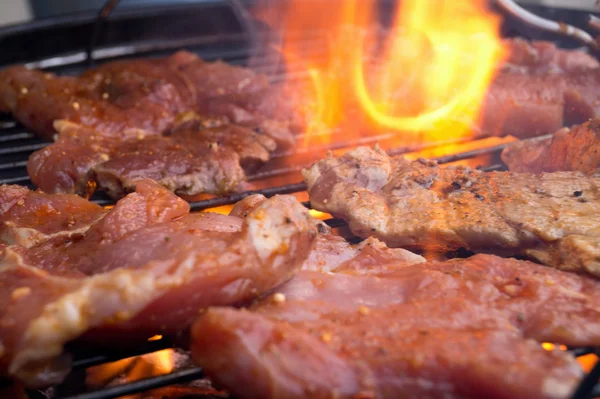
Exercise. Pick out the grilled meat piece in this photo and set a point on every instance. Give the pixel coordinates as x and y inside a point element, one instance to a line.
<point>29,217</point>
<point>540,89</point>
<point>192,159</point>
<point>147,267</point>
<point>574,149</point>
<point>544,57</point>
<point>118,99</point>
<point>463,328</point>
<point>142,96</point>
<point>523,104</point>
<point>552,217</point>
<point>333,252</point>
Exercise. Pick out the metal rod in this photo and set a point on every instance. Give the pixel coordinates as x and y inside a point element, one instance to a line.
<point>23,148</point>
<point>548,25</point>
<point>16,136</point>
<point>147,384</point>
<point>14,180</point>
<point>94,360</point>
<point>105,11</point>
<point>232,199</point>
<point>13,165</point>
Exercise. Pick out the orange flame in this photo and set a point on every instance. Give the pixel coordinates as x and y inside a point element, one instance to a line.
<point>429,75</point>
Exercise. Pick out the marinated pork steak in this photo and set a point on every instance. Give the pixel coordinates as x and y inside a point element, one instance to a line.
<point>142,96</point>
<point>30,217</point>
<point>459,329</point>
<point>147,267</point>
<point>569,149</point>
<point>552,217</point>
<point>191,159</point>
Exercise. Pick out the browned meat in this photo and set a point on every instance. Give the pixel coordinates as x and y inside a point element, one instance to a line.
<point>30,217</point>
<point>333,252</point>
<point>147,267</point>
<point>192,159</point>
<point>552,217</point>
<point>140,97</point>
<point>458,329</point>
<point>574,149</point>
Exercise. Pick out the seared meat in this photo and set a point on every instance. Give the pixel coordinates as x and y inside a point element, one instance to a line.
<point>192,159</point>
<point>553,217</point>
<point>463,328</point>
<point>147,267</point>
<point>333,252</point>
<point>30,217</point>
<point>140,97</point>
<point>574,149</point>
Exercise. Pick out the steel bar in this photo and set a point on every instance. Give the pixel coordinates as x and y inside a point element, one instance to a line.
<point>548,25</point>
<point>13,165</point>
<point>147,384</point>
<point>94,360</point>
<point>15,136</point>
<point>22,148</point>
<point>232,199</point>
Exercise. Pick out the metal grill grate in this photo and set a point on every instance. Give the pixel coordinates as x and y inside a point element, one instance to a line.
<point>16,144</point>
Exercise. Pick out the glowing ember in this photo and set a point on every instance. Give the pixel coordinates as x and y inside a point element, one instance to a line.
<point>428,76</point>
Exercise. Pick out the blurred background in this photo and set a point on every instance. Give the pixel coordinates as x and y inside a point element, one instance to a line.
<point>15,11</point>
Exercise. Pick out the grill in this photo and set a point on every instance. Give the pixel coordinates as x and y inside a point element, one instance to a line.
<point>213,30</point>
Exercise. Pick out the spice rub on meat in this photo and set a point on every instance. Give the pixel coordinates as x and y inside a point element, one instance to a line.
<point>30,217</point>
<point>569,149</point>
<point>191,159</point>
<point>552,217</point>
<point>122,121</point>
<point>146,267</point>
<point>456,329</point>
<point>144,96</point>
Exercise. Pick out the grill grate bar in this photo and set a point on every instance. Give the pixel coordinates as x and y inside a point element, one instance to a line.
<point>14,180</point>
<point>147,384</point>
<point>97,359</point>
<point>16,136</point>
<point>22,148</point>
<point>7,124</point>
<point>13,165</point>
<point>232,199</point>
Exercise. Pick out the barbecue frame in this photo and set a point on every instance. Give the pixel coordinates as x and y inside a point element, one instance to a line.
<point>234,43</point>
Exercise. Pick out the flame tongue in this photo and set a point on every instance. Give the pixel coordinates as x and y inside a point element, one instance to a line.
<point>429,75</point>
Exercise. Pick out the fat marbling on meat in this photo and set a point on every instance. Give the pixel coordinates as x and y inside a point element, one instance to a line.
<point>553,217</point>
<point>465,328</point>
<point>146,267</point>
